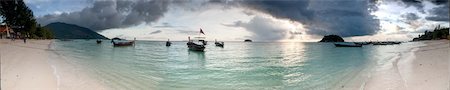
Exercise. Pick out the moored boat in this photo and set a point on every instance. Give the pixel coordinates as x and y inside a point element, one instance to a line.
<point>382,43</point>
<point>363,43</point>
<point>197,44</point>
<point>122,42</point>
<point>168,43</point>
<point>219,44</point>
<point>99,41</point>
<point>397,42</point>
<point>386,43</point>
<point>347,44</point>
<point>248,40</point>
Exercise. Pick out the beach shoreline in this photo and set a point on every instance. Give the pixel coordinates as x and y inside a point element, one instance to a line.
<point>42,68</point>
<point>25,65</point>
<point>430,68</point>
<point>421,68</point>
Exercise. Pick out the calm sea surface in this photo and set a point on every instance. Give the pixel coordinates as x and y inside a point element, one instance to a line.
<point>239,65</point>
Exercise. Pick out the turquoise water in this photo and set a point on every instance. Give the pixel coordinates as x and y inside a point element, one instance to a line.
<point>239,65</point>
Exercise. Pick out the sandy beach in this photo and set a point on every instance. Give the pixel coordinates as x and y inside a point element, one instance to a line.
<point>422,68</point>
<point>430,68</point>
<point>34,66</point>
<point>25,66</point>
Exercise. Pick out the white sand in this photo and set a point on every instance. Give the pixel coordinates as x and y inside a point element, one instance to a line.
<point>25,66</point>
<point>430,69</point>
<point>427,68</point>
<point>33,66</point>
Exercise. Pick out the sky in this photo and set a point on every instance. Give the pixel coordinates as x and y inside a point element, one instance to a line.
<point>259,20</point>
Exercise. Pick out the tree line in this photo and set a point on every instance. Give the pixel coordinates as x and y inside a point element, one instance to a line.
<point>20,18</point>
<point>436,34</point>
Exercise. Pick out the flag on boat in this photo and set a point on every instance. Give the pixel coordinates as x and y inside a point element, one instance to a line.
<point>201,31</point>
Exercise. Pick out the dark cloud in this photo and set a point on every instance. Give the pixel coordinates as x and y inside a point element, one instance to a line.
<point>322,17</point>
<point>439,2</point>
<point>164,25</point>
<point>410,16</point>
<point>415,3</point>
<point>156,32</point>
<point>188,32</point>
<point>291,9</point>
<point>217,1</point>
<point>294,34</point>
<point>435,14</point>
<point>439,13</point>
<point>235,24</point>
<point>105,14</point>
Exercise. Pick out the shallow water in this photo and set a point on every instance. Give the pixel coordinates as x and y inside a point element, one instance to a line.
<point>239,65</point>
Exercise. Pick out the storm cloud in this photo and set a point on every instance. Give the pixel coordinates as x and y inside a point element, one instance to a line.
<point>319,17</point>
<point>322,17</point>
<point>439,13</point>
<point>410,16</point>
<point>415,3</point>
<point>155,32</point>
<point>106,14</point>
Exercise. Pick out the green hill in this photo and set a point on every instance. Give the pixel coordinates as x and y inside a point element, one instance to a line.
<point>69,31</point>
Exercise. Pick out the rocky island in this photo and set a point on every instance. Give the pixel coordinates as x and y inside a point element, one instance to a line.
<point>332,38</point>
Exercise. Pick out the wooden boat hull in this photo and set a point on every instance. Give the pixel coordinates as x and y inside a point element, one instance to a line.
<point>123,43</point>
<point>168,43</point>
<point>195,47</point>
<point>383,44</point>
<point>219,44</point>
<point>343,45</point>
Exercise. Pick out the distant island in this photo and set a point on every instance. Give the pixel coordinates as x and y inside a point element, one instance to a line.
<point>69,31</point>
<point>332,38</point>
<point>436,34</point>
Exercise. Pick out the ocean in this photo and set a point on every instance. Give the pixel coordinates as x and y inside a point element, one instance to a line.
<point>238,65</point>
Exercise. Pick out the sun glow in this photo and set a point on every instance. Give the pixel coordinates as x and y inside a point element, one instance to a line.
<point>295,31</point>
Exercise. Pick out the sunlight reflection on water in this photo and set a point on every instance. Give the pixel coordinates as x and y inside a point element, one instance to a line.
<point>239,65</point>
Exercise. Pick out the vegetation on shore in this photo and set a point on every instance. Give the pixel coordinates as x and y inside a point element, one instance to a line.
<point>19,17</point>
<point>436,34</point>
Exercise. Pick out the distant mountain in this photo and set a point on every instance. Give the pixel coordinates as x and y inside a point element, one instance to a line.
<point>69,31</point>
<point>332,38</point>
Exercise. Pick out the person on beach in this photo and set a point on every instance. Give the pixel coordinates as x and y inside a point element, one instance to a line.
<point>13,37</point>
<point>24,40</point>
